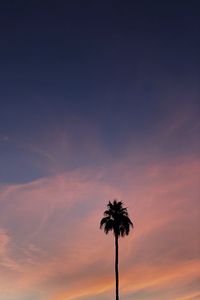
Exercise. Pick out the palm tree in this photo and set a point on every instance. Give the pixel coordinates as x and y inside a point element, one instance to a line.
<point>116,219</point>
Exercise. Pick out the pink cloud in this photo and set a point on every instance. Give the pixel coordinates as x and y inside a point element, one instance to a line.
<point>54,235</point>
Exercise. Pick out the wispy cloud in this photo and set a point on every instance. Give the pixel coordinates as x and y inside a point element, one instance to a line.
<point>53,224</point>
<point>51,247</point>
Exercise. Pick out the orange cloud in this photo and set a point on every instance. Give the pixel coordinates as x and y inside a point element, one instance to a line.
<point>54,236</point>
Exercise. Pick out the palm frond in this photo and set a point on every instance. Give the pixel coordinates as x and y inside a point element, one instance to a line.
<point>104,221</point>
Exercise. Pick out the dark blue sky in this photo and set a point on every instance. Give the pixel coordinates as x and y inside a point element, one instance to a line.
<point>121,66</point>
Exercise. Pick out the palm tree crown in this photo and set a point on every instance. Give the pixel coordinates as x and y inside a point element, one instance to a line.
<point>116,219</point>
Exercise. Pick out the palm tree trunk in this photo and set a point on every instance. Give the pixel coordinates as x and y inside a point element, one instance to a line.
<point>116,267</point>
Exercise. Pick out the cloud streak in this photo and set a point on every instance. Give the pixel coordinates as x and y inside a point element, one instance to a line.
<point>53,231</point>
<point>51,247</point>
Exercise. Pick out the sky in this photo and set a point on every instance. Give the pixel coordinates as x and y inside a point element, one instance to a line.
<point>99,100</point>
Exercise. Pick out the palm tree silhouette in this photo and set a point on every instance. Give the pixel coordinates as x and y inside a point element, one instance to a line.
<point>116,219</point>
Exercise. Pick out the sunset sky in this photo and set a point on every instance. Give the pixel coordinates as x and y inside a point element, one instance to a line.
<point>99,100</point>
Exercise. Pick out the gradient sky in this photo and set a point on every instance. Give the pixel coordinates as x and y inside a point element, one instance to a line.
<point>99,100</point>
